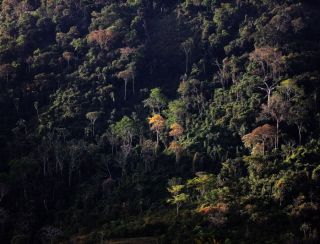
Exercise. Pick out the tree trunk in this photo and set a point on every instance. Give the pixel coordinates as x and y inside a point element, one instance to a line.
<point>269,95</point>
<point>187,62</point>
<point>277,136</point>
<point>157,139</point>
<point>70,176</point>
<point>61,168</point>
<point>177,158</point>
<point>125,89</point>
<point>112,148</point>
<point>110,176</point>
<point>315,100</point>
<point>102,237</point>
<point>57,166</point>
<point>300,134</point>
<point>38,114</point>
<point>123,171</point>
<point>44,167</point>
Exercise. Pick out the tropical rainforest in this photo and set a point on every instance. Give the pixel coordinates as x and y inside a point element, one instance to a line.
<point>159,121</point>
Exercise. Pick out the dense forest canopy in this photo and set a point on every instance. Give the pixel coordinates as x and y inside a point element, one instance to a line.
<point>176,121</point>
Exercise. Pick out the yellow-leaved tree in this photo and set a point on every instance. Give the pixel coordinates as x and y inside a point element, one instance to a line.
<point>158,124</point>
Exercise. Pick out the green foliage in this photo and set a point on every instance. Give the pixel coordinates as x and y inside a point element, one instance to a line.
<point>202,183</point>
<point>178,197</point>
<point>124,128</point>
<point>156,101</point>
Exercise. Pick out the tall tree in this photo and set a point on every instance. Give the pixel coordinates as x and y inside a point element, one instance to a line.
<point>177,196</point>
<point>278,110</point>
<point>125,75</point>
<point>158,124</point>
<point>187,46</point>
<point>125,130</point>
<point>68,56</point>
<point>269,63</point>
<point>93,117</point>
<point>299,116</point>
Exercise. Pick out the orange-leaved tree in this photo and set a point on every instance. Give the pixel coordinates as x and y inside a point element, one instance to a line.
<point>102,37</point>
<point>158,124</point>
<point>176,131</point>
<point>260,138</point>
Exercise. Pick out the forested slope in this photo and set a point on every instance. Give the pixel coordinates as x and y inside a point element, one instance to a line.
<point>186,121</point>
